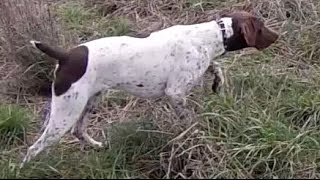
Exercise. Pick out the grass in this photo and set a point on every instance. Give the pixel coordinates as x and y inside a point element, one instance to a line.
<point>14,121</point>
<point>89,24</point>
<point>128,146</point>
<point>27,70</point>
<point>265,124</point>
<point>208,4</point>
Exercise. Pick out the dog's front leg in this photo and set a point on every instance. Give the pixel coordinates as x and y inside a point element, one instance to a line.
<point>218,80</point>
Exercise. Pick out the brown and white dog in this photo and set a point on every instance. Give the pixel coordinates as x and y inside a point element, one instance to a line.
<point>168,62</point>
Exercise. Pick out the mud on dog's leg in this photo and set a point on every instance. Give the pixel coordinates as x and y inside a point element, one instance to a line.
<point>65,111</point>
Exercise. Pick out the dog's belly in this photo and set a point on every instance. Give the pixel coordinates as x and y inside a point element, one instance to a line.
<point>139,80</point>
<point>143,83</point>
<point>144,91</point>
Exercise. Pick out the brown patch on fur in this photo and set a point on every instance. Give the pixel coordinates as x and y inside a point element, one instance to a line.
<point>70,69</point>
<point>249,31</point>
<point>71,65</point>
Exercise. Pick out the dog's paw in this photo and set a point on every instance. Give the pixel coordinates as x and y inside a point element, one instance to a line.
<point>34,43</point>
<point>99,145</point>
<point>87,146</point>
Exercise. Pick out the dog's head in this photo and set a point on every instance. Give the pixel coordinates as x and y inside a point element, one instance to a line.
<point>249,31</point>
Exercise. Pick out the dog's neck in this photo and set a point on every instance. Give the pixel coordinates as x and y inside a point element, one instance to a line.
<point>214,36</point>
<point>219,31</point>
<point>226,29</point>
<point>232,36</point>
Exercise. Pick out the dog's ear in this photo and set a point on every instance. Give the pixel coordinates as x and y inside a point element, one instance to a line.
<point>249,30</point>
<point>256,33</point>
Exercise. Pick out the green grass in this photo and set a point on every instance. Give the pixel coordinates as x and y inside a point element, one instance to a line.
<point>267,122</point>
<point>14,121</point>
<point>89,24</point>
<point>264,125</point>
<point>208,4</point>
<point>128,146</point>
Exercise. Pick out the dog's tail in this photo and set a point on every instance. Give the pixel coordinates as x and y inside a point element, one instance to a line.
<point>55,53</point>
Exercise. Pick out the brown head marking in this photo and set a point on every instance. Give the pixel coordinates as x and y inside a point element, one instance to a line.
<point>249,31</point>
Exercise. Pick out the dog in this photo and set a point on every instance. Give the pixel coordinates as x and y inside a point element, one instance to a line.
<point>168,62</point>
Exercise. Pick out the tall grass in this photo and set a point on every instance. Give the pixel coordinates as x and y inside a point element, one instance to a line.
<point>265,124</point>
<point>14,121</point>
<point>88,24</point>
<point>22,21</point>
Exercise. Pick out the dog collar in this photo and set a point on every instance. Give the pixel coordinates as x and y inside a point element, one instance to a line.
<point>224,34</point>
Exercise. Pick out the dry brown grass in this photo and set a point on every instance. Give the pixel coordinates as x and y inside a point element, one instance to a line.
<point>26,69</point>
<point>148,16</point>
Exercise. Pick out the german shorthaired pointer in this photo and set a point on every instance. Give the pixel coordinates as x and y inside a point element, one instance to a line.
<point>168,62</point>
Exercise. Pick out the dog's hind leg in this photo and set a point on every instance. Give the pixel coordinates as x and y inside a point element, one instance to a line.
<point>80,128</point>
<point>65,111</point>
